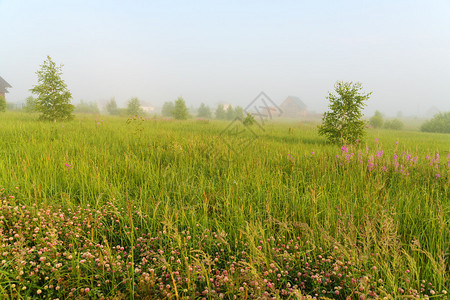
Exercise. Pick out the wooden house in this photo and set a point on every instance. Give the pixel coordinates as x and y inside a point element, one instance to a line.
<point>293,107</point>
<point>3,87</point>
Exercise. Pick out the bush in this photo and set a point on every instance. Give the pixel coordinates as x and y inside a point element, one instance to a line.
<point>439,123</point>
<point>239,112</point>
<point>377,120</point>
<point>204,112</point>
<point>111,107</point>
<point>167,109</point>
<point>395,124</point>
<point>249,120</point>
<point>30,105</point>
<point>220,112</point>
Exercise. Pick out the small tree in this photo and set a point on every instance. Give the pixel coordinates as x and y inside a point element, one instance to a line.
<point>344,123</point>
<point>394,124</point>
<point>53,97</point>
<point>111,107</point>
<point>230,113</point>
<point>180,111</point>
<point>220,112</point>
<point>167,109</point>
<point>30,105</point>
<point>204,111</point>
<point>377,120</point>
<point>134,107</point>
<point>2,104</point>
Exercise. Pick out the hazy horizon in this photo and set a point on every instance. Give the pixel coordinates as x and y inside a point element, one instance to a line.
<point>229,51</point>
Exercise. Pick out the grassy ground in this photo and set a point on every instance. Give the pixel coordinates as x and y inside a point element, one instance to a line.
<point>115,207</point>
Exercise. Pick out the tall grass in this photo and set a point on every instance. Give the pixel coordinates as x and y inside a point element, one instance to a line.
<point>281,183</point>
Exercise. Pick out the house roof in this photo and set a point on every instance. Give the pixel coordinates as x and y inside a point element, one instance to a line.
<point>4,85</point>
<point>297,101</point>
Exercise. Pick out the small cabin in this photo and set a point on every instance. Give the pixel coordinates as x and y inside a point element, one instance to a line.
<point>293,107</point>
<point>3,87</point>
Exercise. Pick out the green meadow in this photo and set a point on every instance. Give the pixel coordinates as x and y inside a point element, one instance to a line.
<point>114,208</point>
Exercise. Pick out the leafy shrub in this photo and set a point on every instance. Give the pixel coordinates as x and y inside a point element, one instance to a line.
<point>30,105</point>
<point>111,107</point>
<point>249,120</point>
<point>167,109</point>
<point>204,112</point>
<point>394,124</point>
<point>220,112</point>
<point>239,112</point>
<point>377,120</point>
<point>439,123</point>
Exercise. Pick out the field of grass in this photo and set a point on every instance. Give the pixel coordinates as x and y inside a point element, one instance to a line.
<point>116,208</point>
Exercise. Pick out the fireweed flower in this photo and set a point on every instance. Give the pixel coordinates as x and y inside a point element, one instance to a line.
<point>289,157</point>
<point>68,165</point>
<point>344,149</point>
<point>370,163</point>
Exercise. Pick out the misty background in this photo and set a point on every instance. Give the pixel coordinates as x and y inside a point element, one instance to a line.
<point>229,51</point>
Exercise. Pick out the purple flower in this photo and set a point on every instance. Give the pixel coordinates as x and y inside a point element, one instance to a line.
<point>438,175</point>
<point>379,154</point>
<point>344,149</point>
<point>68,165</point>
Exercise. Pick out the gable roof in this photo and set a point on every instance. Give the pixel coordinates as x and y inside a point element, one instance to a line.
<point>297,101</point>
<point>4,85</point>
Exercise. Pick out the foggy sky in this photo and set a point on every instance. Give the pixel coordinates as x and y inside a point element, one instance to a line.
<point>229,51</point>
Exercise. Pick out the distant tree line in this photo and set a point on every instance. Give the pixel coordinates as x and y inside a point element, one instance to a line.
<point>176,110</point>
<point>377,121</point>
